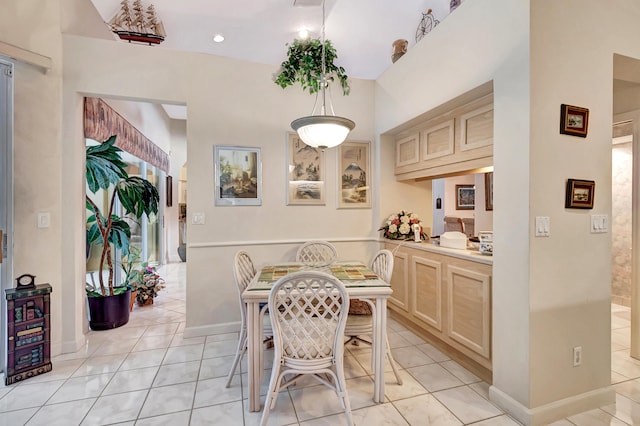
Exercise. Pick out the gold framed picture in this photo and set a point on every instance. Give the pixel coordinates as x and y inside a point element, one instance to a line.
<point>579,194</point>
<point>574,120</point>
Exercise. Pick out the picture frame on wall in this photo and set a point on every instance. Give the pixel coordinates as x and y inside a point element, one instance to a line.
<point>579,194</point>
<point>574,120</point>
<point>354,178</point>
<point>305,173</point>
<point>169,188</point>
<point>238,176</point>
<point>465,197</point>
<point>488,191</point>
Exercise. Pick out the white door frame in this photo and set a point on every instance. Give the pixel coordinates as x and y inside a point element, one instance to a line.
<point>6,196</point>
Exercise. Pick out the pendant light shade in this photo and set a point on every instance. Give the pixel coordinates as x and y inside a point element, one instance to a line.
<point>323,131</point>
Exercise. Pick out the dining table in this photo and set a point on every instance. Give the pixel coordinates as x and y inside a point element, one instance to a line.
<point>361,283</point>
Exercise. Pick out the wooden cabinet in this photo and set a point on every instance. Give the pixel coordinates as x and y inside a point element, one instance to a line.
<point>450,297</point>
<point>456,141</point>
<point>400,282</point>
<point>28,339</point>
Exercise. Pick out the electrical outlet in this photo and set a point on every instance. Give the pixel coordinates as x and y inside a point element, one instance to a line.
<point>577,356</point>
<point>197,219</point>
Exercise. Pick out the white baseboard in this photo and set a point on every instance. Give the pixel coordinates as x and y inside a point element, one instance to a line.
<point>208,330</point>
<point>68,347</point>
<point>555,410</point>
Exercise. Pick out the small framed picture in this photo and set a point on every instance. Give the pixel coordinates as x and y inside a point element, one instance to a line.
<point>465,197</point>
<point>580,194</point>
<point>488,191</point>
<point>238,176</point>
<point>169,187</point>
<point>354,190</point>
<point>305,173</point>
<point>574,120</point>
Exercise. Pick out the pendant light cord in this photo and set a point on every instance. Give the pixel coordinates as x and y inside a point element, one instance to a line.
<point>323,78</point>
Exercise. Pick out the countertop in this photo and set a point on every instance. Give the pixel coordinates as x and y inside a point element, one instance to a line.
<point>468,254</point>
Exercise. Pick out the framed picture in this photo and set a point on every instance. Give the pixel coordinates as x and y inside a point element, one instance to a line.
<point>354,190</point>
<point>305,173</point>
<point>488,191</point>
<point>579,194</point>
<point>238,176</point>
<point>465,197</point>
<point>169,188</point>
<point>574,120</point>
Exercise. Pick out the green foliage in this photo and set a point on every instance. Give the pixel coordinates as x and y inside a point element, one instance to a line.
<point>304,65</point>
<point>129,264</point>
<point>104,166</point>
<point>105,170</point>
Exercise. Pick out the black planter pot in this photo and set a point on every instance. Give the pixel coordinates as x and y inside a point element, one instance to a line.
<point>109,312</point>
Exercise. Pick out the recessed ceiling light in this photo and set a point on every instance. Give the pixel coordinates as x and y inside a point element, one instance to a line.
<point>218,38</point>
<point>303,33</point>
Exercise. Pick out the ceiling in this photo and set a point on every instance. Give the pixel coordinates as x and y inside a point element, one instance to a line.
<point>258,30</point>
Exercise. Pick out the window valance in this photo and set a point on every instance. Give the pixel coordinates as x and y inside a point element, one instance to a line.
<point>101,121</point>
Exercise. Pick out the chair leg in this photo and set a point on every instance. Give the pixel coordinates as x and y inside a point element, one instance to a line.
<point>341,388</point>
<point>272,394</point>
<point>242,348</point>
<point>393,363</point>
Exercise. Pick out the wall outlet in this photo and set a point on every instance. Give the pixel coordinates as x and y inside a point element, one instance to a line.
<point>197,219</point>
<point>44,220</point>
<point>577,356</point>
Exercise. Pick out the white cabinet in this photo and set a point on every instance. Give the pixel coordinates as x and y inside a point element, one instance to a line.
<point>447,297</point>
<point>457,141</point>
<point>408,150</point>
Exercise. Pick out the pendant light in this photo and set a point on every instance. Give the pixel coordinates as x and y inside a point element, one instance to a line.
<point>322,130</point>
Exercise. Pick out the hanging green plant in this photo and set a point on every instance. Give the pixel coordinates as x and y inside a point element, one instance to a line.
<point>304,65</point>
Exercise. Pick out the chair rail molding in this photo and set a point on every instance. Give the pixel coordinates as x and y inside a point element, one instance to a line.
<point>279,242</point>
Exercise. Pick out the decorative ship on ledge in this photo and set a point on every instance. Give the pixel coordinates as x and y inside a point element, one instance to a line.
<point>130,24</point>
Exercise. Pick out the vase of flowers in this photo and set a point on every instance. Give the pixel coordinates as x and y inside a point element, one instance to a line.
<point>148,285</point>
<point>400,226</point>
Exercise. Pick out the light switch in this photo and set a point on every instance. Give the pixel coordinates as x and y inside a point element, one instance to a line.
<point>543,226</point>
<point>44,220</point>
<point>198,219</point>
<point>599,223</point>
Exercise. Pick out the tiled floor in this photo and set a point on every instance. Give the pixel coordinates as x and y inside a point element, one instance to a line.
<point>146,373</point>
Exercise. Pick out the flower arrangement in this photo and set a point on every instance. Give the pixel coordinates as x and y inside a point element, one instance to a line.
<point>400,226</point>
<point>148,284</point>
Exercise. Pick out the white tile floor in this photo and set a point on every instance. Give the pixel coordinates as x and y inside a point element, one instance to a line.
<point>146,373</point>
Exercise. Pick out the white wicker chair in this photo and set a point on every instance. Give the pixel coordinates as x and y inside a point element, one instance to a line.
<point>243,273</point>
<point>362,324</point>
<point>317,252</point>
<point>308,312</point>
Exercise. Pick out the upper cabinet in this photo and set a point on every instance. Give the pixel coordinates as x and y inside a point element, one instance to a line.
<point>456,141</point>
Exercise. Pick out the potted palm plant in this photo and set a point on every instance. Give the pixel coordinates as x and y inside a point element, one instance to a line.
<point>105,170</point>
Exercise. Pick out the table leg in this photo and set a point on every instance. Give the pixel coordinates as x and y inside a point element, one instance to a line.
<point>254,349</point>
<point>378,350</point>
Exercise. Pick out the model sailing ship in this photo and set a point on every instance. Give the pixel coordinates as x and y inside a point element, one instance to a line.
<point>131,24</point>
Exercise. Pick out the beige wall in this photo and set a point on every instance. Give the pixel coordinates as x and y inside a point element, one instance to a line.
<point>545,302</point>
<point>230,103</point>
<point>38,150</point>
